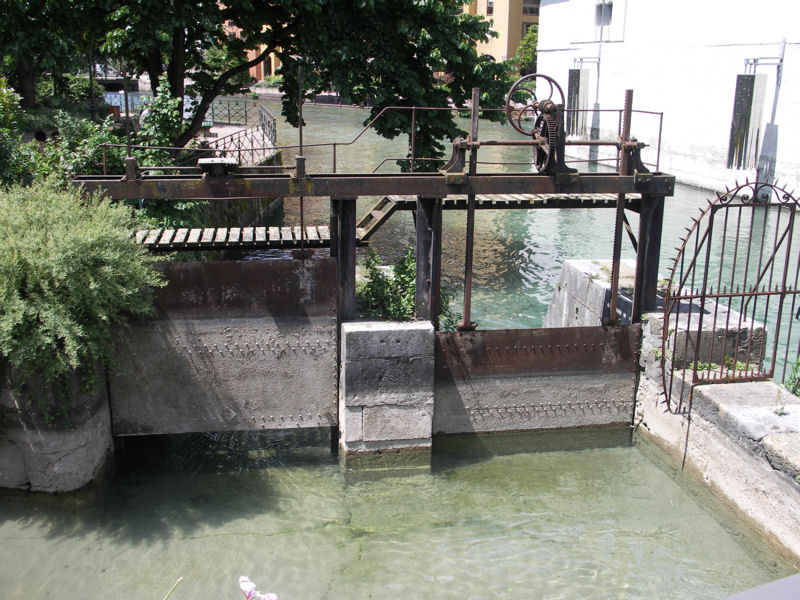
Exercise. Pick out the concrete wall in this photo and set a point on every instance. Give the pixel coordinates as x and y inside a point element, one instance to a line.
<point>582,297</point>
<point>237,345</point>
<point>56,455</point>
<point>736,442</point>
<point>386,386</point>
<point>682,59</point>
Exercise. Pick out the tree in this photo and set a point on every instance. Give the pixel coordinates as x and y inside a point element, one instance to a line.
<point>408,53</point>
<point>525,57</point>
<point>45,35</point>
<point>392,58</point>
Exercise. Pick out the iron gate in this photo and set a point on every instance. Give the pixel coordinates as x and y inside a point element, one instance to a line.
<point>731,298</point>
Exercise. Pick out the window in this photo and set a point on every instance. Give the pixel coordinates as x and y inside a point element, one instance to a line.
<point>748,105</point>
<point>490,7</point>
<point>602,13</point>
<point>530,7</point>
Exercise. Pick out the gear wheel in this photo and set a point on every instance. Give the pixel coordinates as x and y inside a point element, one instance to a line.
<point>544,155</point>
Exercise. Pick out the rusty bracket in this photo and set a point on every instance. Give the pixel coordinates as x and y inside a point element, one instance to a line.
<point>458,160</point>
<point>132,171</point>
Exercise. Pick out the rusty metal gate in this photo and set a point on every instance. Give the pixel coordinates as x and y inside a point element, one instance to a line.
<point>731,298</point>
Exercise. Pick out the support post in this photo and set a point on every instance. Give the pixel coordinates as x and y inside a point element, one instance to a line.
<point>346,255</point>
<point>620,214</point>
<point>648,254</point>
<point>429,259</point>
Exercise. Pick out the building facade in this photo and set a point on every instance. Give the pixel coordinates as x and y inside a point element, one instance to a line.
<point>725,73</point>
<point>511,19</point>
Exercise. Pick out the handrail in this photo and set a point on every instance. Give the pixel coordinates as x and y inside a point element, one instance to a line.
<point>267,126</point>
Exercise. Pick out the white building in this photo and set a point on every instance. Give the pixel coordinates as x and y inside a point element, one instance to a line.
<point>686,59</point>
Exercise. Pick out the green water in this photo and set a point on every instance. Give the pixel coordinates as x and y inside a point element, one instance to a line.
<point>571,515</point>
<point>494,517</point>
<point>518,253</point>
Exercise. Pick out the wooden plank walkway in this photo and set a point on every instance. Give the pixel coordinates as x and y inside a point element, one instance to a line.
<point>318,236</point>
<point>220,238</point>
<point>501,201</point>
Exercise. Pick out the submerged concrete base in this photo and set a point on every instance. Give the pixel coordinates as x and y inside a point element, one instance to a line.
<point>386,386</point>
<point>54,457</point>
<point>765,499</point>
<point>742,440</point>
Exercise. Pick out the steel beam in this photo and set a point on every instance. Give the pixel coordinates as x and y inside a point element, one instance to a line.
<point>648,254</point>
<point>429,258</point>
<point>434,185</point>
<point>346,255</point>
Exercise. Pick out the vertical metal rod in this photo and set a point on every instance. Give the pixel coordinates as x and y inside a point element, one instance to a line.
<point>127,113</point>
<point>300,105</point>
<point>626,133</point>
<point>105,162</point>
<point>413,134</point>
<point>466,324</point>
<point>92,104</point>
<point>301,157</point>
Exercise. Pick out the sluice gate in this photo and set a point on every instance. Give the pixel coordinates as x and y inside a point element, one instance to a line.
<point>454,394</point>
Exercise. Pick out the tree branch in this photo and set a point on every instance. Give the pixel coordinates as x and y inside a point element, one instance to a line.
<point>214,91</point>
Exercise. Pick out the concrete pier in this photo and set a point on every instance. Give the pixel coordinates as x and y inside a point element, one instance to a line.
<point>386,386</point>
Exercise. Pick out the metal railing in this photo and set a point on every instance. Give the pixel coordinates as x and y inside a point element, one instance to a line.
<point>230,110</point>
<point>733,295</point>
<point>414,160</point>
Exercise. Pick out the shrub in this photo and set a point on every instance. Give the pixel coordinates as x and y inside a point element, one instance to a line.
<point>391,293</point>
<point>792,381</point>
<point>75,150</point>
<point>17,164</point>
<point>69,270</point>
<point>11,115</point>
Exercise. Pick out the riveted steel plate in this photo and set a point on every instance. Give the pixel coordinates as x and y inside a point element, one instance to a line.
<point>474,353</point>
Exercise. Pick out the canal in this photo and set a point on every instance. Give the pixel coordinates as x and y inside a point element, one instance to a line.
<point>587,514</point>
<point>518,253</point>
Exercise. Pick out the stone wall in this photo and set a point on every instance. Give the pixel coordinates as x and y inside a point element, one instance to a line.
<point>386,386</point>
<point>57,454</point>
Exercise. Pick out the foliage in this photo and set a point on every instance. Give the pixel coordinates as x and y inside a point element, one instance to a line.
<point>10,112</point>
<point>413,54</point>
<point>219,59</point>
<point>69,271</point>
<point>45,35</point>
<point>524,61</point>
<point>78,89</point>
<point>75,151</point>
<point>399,58</point>
<point>270,81</point>
<point>161,126</point>
<point>390,296</point>
<point>792,381</point>
<point>16,166</point>
<point>390,293</point>
<point>207,39</point>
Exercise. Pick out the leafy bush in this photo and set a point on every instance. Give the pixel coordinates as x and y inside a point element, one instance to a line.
<point>161,126</point>
<point>11,115</point>
<point>68,92</point>
<point>16,163</point>
<point>391,293</point>
<point>75,150</point>
<point>78,89</point>
<point>69,270</point>
<point>792,381</point>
